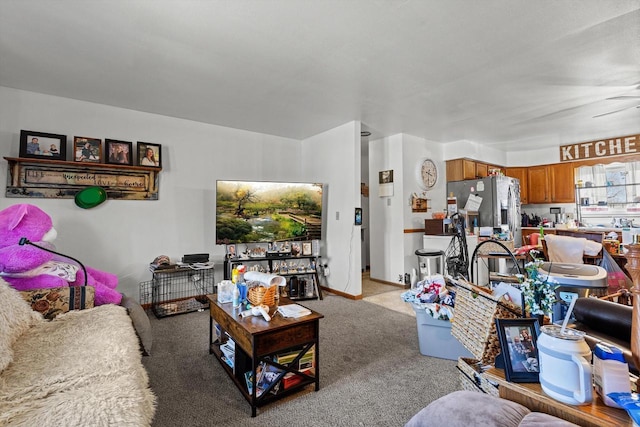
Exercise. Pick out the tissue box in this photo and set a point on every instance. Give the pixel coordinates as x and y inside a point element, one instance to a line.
<point>225,291</point>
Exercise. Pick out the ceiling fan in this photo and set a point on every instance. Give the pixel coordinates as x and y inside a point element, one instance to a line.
<point>622,97</point>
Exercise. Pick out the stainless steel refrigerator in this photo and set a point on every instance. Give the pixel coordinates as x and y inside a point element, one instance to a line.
<point>500,206</point>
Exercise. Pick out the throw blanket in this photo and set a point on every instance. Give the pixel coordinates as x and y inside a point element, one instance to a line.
<point>81,369</point>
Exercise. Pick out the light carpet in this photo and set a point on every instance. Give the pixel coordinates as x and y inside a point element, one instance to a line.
<point>371,373</point>
<point>392,301</point>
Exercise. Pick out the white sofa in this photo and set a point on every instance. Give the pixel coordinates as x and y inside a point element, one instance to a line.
<point>82,368</point>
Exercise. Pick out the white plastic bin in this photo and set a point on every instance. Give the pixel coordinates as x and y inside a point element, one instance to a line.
<point>435,339</point>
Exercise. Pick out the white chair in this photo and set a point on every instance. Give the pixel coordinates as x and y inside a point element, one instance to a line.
<point>568,249</point>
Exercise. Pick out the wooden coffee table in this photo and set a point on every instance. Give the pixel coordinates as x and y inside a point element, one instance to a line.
<point>257,341</point>
<point>596,414</point>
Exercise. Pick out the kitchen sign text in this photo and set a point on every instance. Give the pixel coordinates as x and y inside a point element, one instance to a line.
<point>602,148</point>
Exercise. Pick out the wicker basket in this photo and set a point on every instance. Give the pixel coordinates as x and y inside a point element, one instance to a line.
<point>492,247</point>
<point>474,321</point>
<point>472,378</point>
<point>259,295</point>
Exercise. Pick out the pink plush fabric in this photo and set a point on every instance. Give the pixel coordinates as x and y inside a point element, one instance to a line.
<point>25,220</point>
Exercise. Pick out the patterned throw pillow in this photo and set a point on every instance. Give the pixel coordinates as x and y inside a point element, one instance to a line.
<point>54,301</point>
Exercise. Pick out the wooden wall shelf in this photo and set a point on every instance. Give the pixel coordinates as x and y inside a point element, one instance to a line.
<point>43,178</point>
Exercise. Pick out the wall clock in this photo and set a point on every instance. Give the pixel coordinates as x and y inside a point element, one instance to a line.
<point>426,174</point>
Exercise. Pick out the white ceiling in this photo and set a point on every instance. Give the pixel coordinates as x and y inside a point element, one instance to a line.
<point>512,74</point>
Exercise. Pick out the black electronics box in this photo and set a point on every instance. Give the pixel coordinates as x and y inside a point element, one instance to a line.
<point>193,258</point>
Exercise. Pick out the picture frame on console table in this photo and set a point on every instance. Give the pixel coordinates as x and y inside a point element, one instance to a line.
<point>40,145</point>
<point>231,251</point>
<point>519,347</point>
<point>306,249</point>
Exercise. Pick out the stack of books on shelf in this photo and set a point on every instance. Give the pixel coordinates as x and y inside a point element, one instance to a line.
<point>267,374</point>
<point>305,365</point>
<point>228,350</point>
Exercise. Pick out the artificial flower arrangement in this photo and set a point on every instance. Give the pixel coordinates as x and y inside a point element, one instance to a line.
<point>538,289</point>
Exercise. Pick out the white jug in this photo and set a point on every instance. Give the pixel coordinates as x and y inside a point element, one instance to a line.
<point>565,368</point>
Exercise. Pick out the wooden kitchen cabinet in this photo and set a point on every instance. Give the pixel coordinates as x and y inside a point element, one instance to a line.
<point>482,171</point>
<point>538,184</point>
<point>521,175</point>
<point>460,169</point>
<point>562,183</point>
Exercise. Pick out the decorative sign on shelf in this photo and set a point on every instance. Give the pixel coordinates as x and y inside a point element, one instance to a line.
<point>45,179</point>
<point>603,148</point>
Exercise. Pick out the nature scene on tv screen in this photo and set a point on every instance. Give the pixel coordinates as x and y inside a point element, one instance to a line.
<point>267,211</point>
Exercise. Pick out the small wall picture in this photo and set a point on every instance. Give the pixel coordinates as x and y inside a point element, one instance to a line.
<point>43,145</point>
<point>149,155</point>
<point>87,149</point>
<point>385,177</point>
<point>306,248</point>
<point>118,152</point>
<point>358,216</point>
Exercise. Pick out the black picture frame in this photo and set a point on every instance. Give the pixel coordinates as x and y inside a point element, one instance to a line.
<point>118,152</point>
<point>153,162</point>
<point>385,177</point>
<point>87,149</point>
<point>44,145</point>
<point>358,216</point>
<point>519,348</point>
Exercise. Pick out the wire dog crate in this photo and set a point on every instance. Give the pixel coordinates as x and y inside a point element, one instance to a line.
<point>177,290</point>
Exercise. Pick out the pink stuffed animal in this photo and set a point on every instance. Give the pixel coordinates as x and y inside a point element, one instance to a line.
<point>26,267</point>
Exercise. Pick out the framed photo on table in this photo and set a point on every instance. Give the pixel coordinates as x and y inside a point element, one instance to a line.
<point>519,347</point>
<point>306,248</point>
<point>43,145</point>
<point>231,251</point>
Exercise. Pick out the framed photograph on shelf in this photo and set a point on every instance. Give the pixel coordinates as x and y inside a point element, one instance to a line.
<point>519,347</point>
<point>87,149</point>
<point>307,248</point>
<point>118,152</point>
<point>149,155</point>
<point>43,145</point>
<point>231,251</point>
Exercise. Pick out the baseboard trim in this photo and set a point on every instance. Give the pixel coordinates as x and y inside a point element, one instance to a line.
<point>396,284</point>
<point>342,294</point>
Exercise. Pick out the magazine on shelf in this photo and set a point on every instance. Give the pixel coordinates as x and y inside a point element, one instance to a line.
<point>293,310</point>
<point>267,376</point>
<point>248,377</point>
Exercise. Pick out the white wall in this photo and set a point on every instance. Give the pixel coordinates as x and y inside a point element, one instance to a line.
<point>333,158</point>
<point>533,157</point>
<point>386,213</point>
<point>475,151</point>
<point>414,150</point>
<point>123,237</point>
<point>365,229</point>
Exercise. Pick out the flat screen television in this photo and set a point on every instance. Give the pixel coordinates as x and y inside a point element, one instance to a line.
<point>248,212</point>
